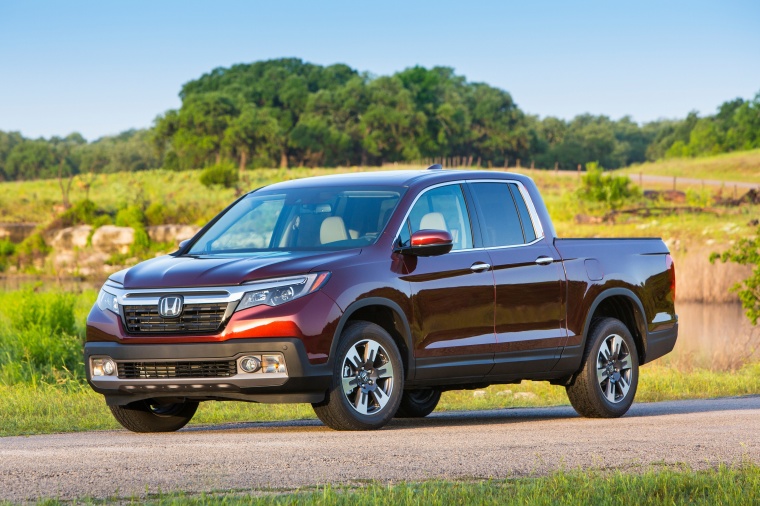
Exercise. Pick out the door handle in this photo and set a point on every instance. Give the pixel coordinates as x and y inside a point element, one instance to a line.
<point>544,260</point>
<point>480,266</point>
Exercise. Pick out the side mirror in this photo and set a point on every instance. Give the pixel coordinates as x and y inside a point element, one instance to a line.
<point>182,244</point>
<point>427,243</point>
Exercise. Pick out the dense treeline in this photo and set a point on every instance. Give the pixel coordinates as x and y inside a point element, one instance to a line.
<point>289,113</point>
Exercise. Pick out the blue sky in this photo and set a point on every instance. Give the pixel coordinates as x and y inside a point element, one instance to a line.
<point>106,66</point>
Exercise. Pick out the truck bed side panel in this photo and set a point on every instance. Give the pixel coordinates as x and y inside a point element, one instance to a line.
<point>596,266</point>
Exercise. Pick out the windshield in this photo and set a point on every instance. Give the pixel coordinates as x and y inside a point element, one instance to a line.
<point>301,219</point>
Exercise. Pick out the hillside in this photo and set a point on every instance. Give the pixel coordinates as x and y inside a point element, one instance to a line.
<point>739,166</point>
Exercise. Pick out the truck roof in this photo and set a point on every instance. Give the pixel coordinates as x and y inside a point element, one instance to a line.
<point>403,178</point>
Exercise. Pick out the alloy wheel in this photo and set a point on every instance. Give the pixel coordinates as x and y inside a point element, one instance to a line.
<point>367,377</point>
<point>614,368</point>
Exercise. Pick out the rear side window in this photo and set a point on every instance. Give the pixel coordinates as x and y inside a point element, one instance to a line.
<point>527,224</point>
<point>500,223</point>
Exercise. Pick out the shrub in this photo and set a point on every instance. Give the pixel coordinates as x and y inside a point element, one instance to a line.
<point>32,248</point>
<point>83,212</point>
<point>607,188</point>
<point>39,337</point>
<point>7,249</point>
<point>746,252</point>
<point>131,216</point>
<point>222,174</point>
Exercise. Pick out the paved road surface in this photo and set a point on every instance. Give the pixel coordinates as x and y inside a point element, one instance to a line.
<point>500,443</point>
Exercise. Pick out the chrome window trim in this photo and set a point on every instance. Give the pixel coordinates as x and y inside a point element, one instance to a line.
<point>536,222</point>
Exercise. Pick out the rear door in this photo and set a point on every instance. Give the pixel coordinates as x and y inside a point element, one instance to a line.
<point>452,294</point>
<point>529,278</point>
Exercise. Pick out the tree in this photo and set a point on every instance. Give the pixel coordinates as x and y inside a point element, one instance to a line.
<point>255,130</point>
<point>200,127</point>
<point>30,160</point>
<point>67,163</point>
<point>746,252</point>
<point>390,125</point>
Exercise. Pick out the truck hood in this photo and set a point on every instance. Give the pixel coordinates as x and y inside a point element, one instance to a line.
<point>220,270</point>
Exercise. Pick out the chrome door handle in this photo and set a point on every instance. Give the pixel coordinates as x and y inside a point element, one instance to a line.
<point>544,260</point>
<point>480,266</point>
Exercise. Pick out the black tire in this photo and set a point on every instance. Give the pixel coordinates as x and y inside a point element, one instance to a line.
<point>418,403</point>
<point>606,388</point>
<point>147,416</point>
<point>368,378</point>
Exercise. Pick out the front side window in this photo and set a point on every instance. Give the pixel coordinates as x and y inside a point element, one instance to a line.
<point>442,208</point>
<point>301,219</point>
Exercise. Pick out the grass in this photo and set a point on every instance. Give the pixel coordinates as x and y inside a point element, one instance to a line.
<point>36,201</point>
<point>72,407</point>
<point>729,485</point>
<point>739,166</point>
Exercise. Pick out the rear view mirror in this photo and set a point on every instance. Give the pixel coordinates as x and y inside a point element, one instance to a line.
<point>427,243</point>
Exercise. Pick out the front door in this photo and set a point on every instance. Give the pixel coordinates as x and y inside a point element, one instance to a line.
<point>452,294</point>
<point>529,281</point>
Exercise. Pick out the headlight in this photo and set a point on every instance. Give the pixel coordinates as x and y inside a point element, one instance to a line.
<point>108,301</point>
<point>273,292</point>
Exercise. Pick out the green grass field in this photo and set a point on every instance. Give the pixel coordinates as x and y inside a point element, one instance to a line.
<point>724,485</point>
<point>739,166</point>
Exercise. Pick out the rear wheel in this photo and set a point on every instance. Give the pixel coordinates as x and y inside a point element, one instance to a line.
<point>418,403</point>
<point>368,377</point>
<point>150,416</point>
<point>606,385</point>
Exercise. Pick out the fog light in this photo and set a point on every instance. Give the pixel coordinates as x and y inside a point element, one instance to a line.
<point>103,367</point>
<point>273,363</point>
<point>250,364</point>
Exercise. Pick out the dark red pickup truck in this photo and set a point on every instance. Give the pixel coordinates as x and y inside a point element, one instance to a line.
<point>369,294</point>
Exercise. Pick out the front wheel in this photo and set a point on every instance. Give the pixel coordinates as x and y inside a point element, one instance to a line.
<point>606,384</point>
<point>149,416</point>
<point>367,381</point>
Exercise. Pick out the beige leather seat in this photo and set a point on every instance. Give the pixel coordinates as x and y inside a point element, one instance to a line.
<point>332,229</point>
<point>433,221</point>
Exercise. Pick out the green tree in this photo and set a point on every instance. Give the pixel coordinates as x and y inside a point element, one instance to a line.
<point>746,252</point>
<point>256,131</point>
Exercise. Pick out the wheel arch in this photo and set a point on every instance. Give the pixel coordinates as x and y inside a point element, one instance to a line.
<point>388,315</point>
<point>621,304</point>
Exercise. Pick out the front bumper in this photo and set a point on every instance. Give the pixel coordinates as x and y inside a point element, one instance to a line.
<point>303,382</point>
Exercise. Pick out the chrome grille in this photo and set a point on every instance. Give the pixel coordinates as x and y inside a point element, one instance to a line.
<point>195,319</point>
<point>205,369</point>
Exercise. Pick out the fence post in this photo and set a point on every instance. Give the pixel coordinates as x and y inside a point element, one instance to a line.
<point>556,167</point>
<point>641,180</point>
<point>674,183</point>
<point>579,171</point>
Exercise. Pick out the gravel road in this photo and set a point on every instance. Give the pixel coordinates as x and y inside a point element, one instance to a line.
<point>286,455</point>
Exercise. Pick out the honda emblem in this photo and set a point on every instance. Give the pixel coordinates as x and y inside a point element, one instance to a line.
<point>170,307</point>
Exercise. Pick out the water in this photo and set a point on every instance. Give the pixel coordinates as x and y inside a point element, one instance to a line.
<point>712,336</point>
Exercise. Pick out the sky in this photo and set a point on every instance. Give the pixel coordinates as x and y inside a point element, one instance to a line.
<point>101,67</point>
